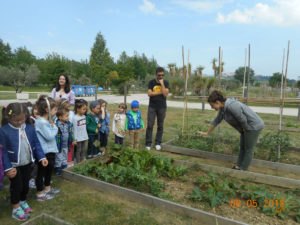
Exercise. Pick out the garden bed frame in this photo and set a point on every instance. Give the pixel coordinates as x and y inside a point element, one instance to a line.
<point>148,200</point>
<point>278,167</point>
<point>52,219</point>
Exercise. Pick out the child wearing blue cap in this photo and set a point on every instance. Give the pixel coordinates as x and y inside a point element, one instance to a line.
<point>134,123</point>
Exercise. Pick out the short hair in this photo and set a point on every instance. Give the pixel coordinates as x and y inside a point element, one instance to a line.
<point>216,96</point>
<point>79,103</point>
<point>62,111</point>
<point>159,69</point>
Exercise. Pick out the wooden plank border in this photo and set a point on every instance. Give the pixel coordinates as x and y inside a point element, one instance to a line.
<point>280,167</point>
<point>145,199</point>
<point>52,219</point>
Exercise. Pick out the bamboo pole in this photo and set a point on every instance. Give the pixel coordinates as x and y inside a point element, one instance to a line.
<point>281,104</point>
<point>285,80</point>
<point>248,82</point>
<point>220,67</point>
<point>186,97</point>
<point>245,69</point>
<point>183,71</point>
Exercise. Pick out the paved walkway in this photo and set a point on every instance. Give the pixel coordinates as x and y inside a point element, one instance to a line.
<point>144,100</point>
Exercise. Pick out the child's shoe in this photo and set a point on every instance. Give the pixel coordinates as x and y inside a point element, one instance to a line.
<point>26,208</point>
<point>32,184</point>
<point>19,214</point>
<point>44,197</point>
<point>58,171</point>
<point>64,166</point>
<point>53,191</point>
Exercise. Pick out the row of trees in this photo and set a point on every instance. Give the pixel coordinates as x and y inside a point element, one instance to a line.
<point>21,68</point>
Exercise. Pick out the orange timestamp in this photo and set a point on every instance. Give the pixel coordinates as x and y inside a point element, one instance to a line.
<point>237,203</point>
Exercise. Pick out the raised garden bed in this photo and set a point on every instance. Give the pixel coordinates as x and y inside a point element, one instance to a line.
<point>286,169</point>
<point>45,219</point>
<point>183,188</point>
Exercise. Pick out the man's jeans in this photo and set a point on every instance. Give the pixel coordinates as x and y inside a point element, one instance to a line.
<point>152,113</point>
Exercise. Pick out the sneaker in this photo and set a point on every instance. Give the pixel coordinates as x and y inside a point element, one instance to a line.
<point>89,157</point>
<point>19,214</point>
<point>98,154</point>
<point>32,184</point>
<point>148,148</point>
<point>53,191</point>
<point>58,171</point>
<point>64,166</point>
<point>26,208</point>
<point>44,197</point>
<point>158,147</point>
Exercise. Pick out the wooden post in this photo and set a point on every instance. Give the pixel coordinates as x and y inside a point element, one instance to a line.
<point>125,93</point>
<point>183,71</point>
<point>284,86</point>
<point>245,69</point>
<point>281,104</point>
<point>185,90</point>
<point>220,67</point>
<point>96,92</point>
<point>248,74</point>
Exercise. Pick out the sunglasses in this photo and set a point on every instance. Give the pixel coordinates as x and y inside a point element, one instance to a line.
<point>160,75</point>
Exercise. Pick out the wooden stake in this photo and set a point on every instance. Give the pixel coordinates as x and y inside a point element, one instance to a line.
<point>186,97</point>
<point>285,80</point>
<point>220,67</point>
<point>245,69</point>
<point>281,104</point>
<point>183,71</point>
<point>248,74</point>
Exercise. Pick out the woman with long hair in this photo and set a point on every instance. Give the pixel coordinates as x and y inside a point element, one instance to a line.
<point>62,89</point>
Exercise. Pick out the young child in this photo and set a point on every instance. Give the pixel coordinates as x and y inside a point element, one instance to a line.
<point>134,123</point>
<point>104,118</point>
<point>46,132</point>
<point>79,126</point>
<point>118,125</point>
<point>93,125</point>
<point>64,139</point>
<point>34,114</point>
<point>64,103</point>
<point>20,147</point>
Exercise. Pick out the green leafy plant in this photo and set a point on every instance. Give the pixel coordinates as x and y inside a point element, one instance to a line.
<point>133,168</point>
<point>271,141</point>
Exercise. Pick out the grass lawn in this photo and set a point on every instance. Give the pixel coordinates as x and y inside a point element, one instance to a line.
<point>81,205</point>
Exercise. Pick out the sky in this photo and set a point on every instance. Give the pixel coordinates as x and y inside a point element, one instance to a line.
<point>159,28</point>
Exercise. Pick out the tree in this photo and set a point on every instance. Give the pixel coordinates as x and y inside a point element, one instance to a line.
<point>51,67</point>
<point>239,75</point>
<point>298,84</point>
<point>19,78</point>
<point>210,83</point>
<point>214,67</point>
<point>199,70</point>
<point>171,67</point>
<point>23,57</point>
<point>100,60</point>
<point>112,77</point>
<point>231,84</point>
<point>198,84</point>
<point>275,80</point>
<point>177,86</point>
<point>5,54</point>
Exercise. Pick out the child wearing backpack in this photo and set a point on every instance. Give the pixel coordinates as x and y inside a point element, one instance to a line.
<point>134,123</point>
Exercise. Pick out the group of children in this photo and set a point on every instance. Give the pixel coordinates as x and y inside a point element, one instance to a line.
<point>44,138</point>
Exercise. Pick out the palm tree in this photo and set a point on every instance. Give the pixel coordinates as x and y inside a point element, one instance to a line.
<point>198,84</point>
<point>171,67</point>
<point>199,71</point>
<point>210,84</point>
<point>214,67</point>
